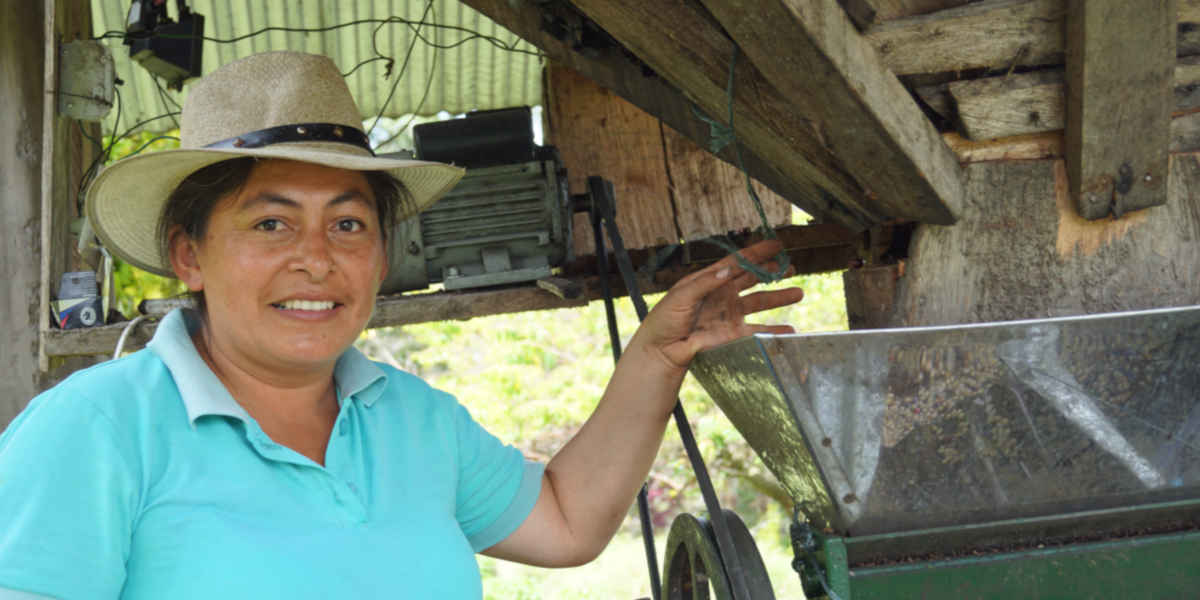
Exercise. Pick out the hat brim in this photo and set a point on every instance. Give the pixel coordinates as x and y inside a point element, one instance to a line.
<point>125,201</point>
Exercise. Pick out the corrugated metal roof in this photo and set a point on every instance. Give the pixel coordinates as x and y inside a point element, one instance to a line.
<point>466,73</point>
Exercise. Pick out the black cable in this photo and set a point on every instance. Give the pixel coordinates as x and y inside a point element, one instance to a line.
<point>424,95</point>
<point>730,561</point>
<point>403,68</point>
<point>614,336</point>
<point>166,100</point>
<point>472,35</point>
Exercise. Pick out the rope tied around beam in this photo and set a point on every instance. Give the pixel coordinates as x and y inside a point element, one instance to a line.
<point>720,136</point>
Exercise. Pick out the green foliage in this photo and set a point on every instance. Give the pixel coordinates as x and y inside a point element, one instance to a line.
<point>132,284</point>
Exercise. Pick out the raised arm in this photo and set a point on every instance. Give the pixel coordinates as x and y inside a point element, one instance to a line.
<point>589,485</point>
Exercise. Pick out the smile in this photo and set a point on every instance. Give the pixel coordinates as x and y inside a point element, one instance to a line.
<point>310,305</point>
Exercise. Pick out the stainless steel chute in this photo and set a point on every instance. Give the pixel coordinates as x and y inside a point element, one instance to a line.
<point>883,431</point>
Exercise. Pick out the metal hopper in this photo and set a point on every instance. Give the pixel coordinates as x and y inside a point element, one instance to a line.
<point>944,429</point>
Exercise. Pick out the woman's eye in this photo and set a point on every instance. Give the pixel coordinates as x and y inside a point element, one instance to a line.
<point>350,225</point>
<point>268,225</point>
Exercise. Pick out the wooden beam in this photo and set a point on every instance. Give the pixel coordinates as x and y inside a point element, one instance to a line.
<point>613,68</point>
<point>666,186</point>
<point>696,56</point>
<point>997,107</point>
<point>887,10</point>
<point>992,34</point>
<point>811,52</point>
<point>812,248</point>
<point>1120,59</point>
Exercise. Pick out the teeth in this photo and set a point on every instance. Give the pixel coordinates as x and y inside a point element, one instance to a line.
<point>306,304</point>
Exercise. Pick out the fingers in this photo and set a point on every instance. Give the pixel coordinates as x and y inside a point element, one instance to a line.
<point>760,301</point>
<point>696,286</point>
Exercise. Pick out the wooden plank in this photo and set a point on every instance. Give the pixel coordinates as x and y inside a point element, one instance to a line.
<point>710,196</point>
<point>812,248</point>
<point>995,107</point>
<point>1022,147</point>
<point>1120,61</point>
<point>696,58</point>
<point>993,34</point>
<point>613,68</point>
<point>870,295</point>
<point>21,83</point>
<point>667,188</point>
<point>783,127</point>
<point>586,124</point>
<point>811,53</point>
<point>1021,251</point>
<point>886,10</point>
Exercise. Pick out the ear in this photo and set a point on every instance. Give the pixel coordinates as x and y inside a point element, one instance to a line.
<point>182,251</point>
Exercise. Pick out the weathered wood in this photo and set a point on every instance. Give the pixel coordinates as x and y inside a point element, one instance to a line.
<point>1021,251</point>
<point>22,99</point>
<point>1120,62</point>
<point>886,10</point>
<point>861,13</point>
<point>667,188</point>
<point>812,53</point>
<point>21,60</point>
<point>613,68</point>
<point>812,248</point>
<point>870,292</point>
<point>696,57</point>
<point>1022,147</point>
<point>994,107</point>
<point>993,34</point>
<point>709,197</point>
<point>597,133</point>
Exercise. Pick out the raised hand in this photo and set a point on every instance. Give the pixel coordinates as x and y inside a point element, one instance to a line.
<point>706,309</point>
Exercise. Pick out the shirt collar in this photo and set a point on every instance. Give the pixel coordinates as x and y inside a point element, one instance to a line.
<point>204,394</point>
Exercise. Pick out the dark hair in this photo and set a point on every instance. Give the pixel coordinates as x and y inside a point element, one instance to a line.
<point>191,204</point>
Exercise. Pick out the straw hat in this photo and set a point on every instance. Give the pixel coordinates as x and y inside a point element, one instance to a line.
<point>271,105</point>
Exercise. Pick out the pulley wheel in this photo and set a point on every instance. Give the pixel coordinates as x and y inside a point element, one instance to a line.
<point>693,571</point>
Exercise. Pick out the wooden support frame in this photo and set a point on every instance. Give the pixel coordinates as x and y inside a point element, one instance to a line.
<point>684,43</point>
<point>810,51</point>
<point>989,34</point>
<point>614,69</point>
<point>1120,59</point>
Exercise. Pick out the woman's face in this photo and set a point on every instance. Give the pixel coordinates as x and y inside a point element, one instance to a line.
<point>290,265</point>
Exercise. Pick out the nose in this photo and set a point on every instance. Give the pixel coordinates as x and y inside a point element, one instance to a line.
<point>313,255</point>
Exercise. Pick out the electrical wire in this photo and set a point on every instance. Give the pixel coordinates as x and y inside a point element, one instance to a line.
<point>403,66</point>
<point>472,35</point>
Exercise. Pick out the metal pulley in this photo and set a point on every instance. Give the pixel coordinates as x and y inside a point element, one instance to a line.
<point>692,568</point>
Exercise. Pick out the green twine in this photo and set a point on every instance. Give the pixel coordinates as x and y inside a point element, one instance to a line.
<point>720,136</point>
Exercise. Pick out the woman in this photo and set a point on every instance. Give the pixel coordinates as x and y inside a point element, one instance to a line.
<point>250,450</point>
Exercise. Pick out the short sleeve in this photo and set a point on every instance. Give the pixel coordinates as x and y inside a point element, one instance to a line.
<point>497,487</point>
<point>67,500</point>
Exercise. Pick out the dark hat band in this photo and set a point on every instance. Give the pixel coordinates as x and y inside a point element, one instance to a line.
<point>300,132</point>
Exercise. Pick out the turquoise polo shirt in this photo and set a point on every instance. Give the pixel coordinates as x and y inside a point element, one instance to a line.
<point>143,478</point>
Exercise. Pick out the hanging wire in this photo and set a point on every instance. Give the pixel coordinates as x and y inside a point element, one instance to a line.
<point>720,136</point>
<point>403,66</point>
<point>471,34</point>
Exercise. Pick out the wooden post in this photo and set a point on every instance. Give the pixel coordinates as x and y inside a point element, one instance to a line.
<point>25,170</point>
<point>1120,63</point>
<point>1022,251</point>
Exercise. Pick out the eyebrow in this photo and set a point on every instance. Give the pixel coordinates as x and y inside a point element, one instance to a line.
<point>269,198</point>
